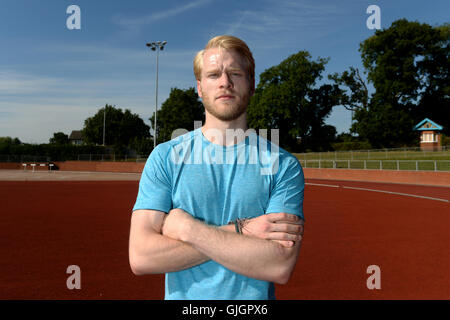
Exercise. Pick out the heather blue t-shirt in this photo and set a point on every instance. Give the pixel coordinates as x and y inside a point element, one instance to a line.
<point>217,184</point>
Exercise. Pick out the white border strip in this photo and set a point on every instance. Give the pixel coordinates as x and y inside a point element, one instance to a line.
<point>398,193</point>
<point>381,191</point>
<point>322,185</point>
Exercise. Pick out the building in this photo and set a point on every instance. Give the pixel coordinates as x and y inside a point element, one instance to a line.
<point>76,137</point>
<point>430,135</point>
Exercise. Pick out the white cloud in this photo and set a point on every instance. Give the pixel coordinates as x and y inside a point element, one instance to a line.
<point>276,23</point>
<point>14,83</point>
<point>136,23</point>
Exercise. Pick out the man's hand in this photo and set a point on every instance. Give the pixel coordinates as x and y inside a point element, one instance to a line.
<point>282,227</point>
<point>175,223</point>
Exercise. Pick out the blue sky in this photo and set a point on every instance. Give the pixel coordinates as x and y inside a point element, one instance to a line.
<point>53,78</point>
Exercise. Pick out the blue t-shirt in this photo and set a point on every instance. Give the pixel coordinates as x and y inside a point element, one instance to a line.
<point>218,184</point>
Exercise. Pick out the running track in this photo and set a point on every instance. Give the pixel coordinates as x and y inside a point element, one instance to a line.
<point>46,226</point>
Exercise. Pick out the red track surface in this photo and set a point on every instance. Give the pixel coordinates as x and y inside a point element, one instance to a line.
<point>47,226</point>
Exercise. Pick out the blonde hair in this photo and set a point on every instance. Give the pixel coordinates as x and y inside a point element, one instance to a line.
<point>228,43</point>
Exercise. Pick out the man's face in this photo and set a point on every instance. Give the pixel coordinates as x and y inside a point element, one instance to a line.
<point>225,87</point>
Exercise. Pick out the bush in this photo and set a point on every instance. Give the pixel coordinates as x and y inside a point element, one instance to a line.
<point>445,141</point>
<point>351,145</point>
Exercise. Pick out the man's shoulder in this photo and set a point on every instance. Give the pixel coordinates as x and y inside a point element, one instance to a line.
<point>183,140</point>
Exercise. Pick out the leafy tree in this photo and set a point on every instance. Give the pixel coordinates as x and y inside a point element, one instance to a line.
<point>408,66</point>
<point>59,138</point>
<point>120,127</point>
<point>288,99</point>
<point>7,144</point>
<point>179,111</point>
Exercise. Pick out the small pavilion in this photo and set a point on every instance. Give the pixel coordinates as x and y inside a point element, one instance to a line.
<point>430,135</point>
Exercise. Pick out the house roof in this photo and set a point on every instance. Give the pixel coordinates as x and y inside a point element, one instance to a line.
<point>427,125</point>
<point>76,135</point>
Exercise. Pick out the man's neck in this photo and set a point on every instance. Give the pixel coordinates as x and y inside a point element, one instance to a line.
<point>225,133</point>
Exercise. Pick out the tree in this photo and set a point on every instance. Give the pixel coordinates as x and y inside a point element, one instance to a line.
<point>287,99</point>
<point>408,66</point>
<point>8,144</point>
<point>59,138</point>
<point>179,111</point>
<point>121,127</point>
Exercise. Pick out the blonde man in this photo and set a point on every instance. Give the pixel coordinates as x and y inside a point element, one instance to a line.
<point>206,215</point>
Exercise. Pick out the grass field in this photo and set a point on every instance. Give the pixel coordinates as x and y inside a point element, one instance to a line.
<point>381,154</point>
<point>385,159</point>
<point>415,165</point>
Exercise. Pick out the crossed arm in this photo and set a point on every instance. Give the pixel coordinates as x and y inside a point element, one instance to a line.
<point>267,250</point>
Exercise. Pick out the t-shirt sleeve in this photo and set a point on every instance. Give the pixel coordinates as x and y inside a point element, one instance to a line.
<point>155,184</point>
<point>288,190</point>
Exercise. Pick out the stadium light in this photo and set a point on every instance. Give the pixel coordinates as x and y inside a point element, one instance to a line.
<point>156,46</point>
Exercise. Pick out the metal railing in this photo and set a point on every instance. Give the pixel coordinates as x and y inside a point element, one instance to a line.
<point>414,165</point>
<point>376,154</point>
<point>23,158</point>
<point>79,157</point>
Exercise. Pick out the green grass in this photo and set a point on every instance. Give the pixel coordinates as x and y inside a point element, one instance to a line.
<point>377,155</point>
<point>429,165</point>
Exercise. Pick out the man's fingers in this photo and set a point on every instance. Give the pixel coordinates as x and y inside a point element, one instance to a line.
<point>284,217</point>
<point>284,236</point>
<point>286,227</point>
<point>287,244</point>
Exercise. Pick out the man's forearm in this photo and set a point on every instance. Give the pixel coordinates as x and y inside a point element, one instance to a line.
<point>172,255</point>
<point>249,256</point>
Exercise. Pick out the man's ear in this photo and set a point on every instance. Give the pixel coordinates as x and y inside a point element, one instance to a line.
<point>252,88</point>
<point>199,89</point>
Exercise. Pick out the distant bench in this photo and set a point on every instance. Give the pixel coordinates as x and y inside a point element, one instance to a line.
<point>38,166</point>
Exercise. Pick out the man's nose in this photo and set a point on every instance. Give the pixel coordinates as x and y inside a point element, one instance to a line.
<point>225,80</point>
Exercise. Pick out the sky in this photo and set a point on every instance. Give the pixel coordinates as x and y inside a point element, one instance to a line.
<point>52,77</point>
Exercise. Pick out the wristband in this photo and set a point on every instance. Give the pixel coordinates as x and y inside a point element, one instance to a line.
<point>237,226</point>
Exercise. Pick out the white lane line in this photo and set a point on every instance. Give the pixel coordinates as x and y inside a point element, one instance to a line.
<point>322,185</point>
<point>398,193</point>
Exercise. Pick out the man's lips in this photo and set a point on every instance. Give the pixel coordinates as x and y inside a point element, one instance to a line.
<point>225,96</point>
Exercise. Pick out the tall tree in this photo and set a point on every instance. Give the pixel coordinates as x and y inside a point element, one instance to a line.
<point>408,66</point>
<point>287,98</point>
<point>120,127</point>
<point>179,111</point>
<point>59,138</point>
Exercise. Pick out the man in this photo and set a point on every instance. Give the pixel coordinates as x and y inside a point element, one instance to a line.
<point>207,214</point>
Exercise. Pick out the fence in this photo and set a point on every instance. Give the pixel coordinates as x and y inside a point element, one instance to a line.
<point>80,157</point>
<point>377,154</point>
<point>110,157</point>
<point>381,159</point>
<point>415,165</point>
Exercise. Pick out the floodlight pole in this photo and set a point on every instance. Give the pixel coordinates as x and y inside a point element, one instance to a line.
<point>156,95</point>
<point>156,46</point>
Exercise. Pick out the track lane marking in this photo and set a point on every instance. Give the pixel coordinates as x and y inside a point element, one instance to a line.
<point>380,191</point>
<point>398,193</point>
<point>322,185</point>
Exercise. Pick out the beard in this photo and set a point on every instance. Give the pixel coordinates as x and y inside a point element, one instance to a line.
<point>228,110</point>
